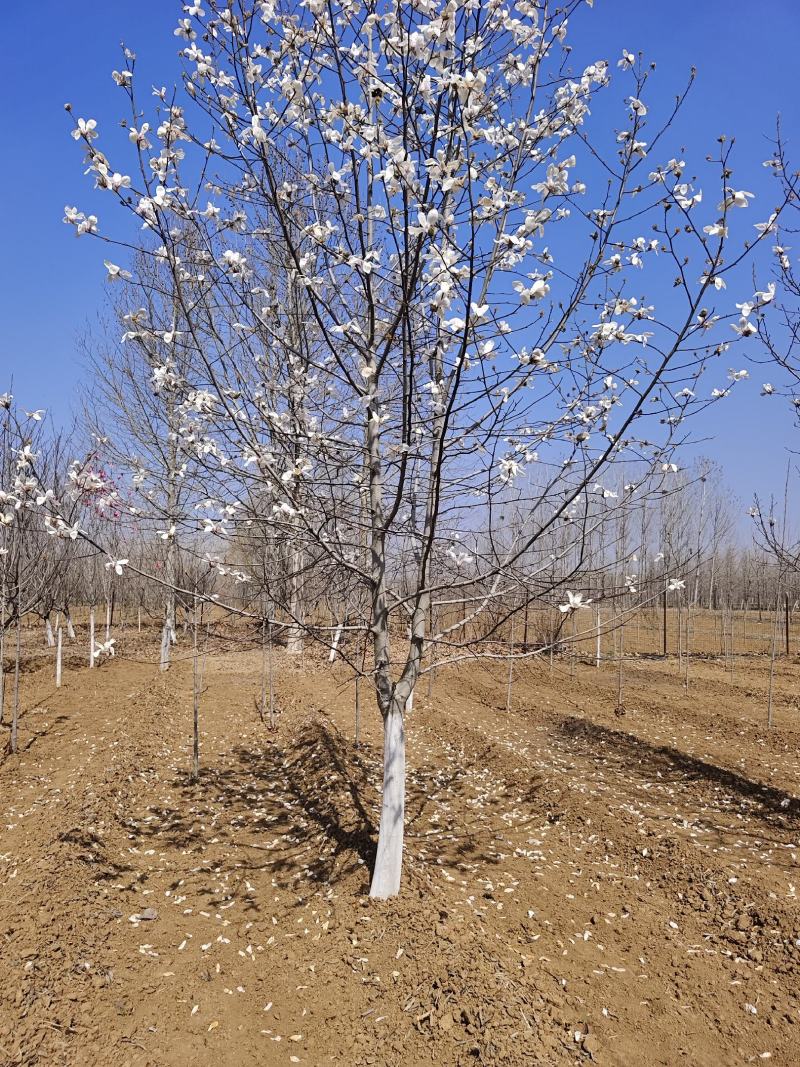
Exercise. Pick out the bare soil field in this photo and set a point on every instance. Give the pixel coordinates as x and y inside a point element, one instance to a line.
<point>583,883</point>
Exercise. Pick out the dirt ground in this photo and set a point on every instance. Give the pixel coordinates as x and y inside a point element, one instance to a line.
<point>582,884</point>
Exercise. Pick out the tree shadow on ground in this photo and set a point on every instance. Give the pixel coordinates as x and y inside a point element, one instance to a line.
<point>467,816</point>
<point>723,798</point>
<point>296,808</point>
<point>89,848</point>
<point>671,763</point>
<point>303,809</point>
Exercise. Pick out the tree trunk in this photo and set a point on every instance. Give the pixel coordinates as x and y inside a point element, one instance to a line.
<point>58,659</point>
<point>2,650</point>
<point>786,621</point>
<point>165,643</point>
<point>358,711</point>
<point>336,638</point>
<point>389,858</point>
<point>195,702</point>
<point>294,635</point>
<point>15,710</point>
<point>271,666</point>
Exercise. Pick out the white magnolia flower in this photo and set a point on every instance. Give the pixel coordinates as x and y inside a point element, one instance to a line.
<point>536,291</point>
<point>574,601</point>
<point>716,229</point>
<point>86,128</point>
<point>767,389</point>
<point>735,198</point>
<point>744,327</point>
<point>768,226</point>
<point>235,261</point>
<point>717,282</point>
<point>139,137</point>
<point>114,181</point>
<point>104,648</point>
<point>115,272</point>
<point>765,296</point>
<point>458,556</point>
<point>428,221</point>
<point>674,584</point>
<point>86,225</point>
<point>117,564</point>
<point>258,132</point>
<point>509,469</point>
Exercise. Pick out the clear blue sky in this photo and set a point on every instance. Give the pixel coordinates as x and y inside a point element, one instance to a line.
<point>52,285</point>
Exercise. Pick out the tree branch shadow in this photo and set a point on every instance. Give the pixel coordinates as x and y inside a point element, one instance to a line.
<point>294,808</point>
<point>722,792</point>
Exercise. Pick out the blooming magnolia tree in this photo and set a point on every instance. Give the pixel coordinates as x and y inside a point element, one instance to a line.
<point>33,566</point>
<point>135,413</point>
<point>779,349</point>
<point>418,287</point>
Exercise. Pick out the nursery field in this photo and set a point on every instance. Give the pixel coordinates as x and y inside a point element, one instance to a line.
<point>400,537</point>
<point>582,883</point>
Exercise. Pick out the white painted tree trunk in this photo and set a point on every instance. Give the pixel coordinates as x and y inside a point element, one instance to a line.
<point>15,710</point>
<point>166,637</point>
<point>2,650</point>
<point>294,636</point>
<point>49,633</point>
<point>169,635</point>
<point>271,669</point>
<point>336,639</point>
<point>196,701</point>
<point>70,628</point>
<point>389,859</point>
<point>91,638</point>
<point>509,689</point>
<point>58,659</point>
<point>358,711</point>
